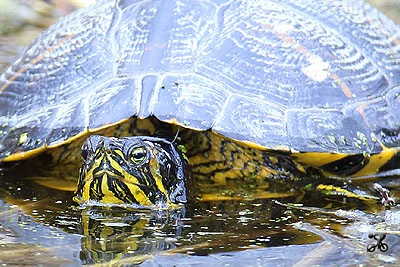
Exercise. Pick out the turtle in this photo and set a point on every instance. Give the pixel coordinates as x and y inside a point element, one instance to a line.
<point>219,89</point>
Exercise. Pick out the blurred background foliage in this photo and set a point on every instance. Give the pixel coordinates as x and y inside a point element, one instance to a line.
<point>389,7</point>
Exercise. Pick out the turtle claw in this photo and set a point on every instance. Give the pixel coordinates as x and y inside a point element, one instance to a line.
<point>386,199</point>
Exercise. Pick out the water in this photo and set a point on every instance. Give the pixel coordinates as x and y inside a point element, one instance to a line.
<point>282,225</point>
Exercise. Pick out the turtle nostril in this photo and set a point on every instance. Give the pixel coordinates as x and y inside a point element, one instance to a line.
<point>85,151</point>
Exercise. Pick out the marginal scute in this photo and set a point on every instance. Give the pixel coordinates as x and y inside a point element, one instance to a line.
<point>193,101</point>
<point>24,155</point>
<point>328,130</point>
<point>113,101</point>
<point>252,119</point>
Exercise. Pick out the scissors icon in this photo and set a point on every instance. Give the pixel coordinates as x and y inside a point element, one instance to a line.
<point>381,246</point>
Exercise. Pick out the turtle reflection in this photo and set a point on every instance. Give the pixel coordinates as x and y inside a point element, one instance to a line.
<point>111,233</point>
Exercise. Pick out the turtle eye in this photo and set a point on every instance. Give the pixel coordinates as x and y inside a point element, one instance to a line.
<point>138,155</point>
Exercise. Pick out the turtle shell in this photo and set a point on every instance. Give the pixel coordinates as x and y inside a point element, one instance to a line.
<point>297,76</point>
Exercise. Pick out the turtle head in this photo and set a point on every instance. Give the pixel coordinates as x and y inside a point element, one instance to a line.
<point>138,170</point>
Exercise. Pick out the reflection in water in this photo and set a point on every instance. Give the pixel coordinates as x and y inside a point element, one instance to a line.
<point>231,219</point>
<point>113,233</point>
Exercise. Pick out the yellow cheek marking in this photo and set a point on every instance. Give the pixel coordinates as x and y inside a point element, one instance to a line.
<point>88,180</point>
<point>108,195</point>
<point>131,182</point>
<point>139,195</point>
<point>119,152</point>
<point>155,171</point>
<point>86,190</point>
<point>84,197</point>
